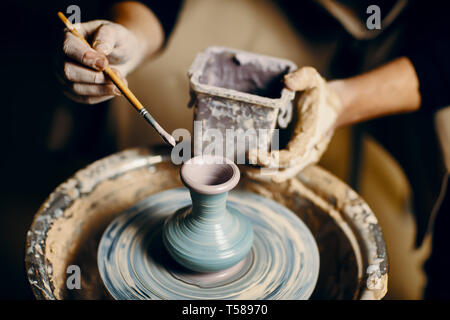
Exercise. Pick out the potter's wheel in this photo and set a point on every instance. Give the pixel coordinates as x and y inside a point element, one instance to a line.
<point>282,264</point>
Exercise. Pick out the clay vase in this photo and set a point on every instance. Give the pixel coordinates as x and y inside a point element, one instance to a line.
<point>208,236</point>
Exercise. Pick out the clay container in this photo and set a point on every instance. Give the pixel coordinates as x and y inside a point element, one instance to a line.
<point>208,236</point>
<point>233,89</point>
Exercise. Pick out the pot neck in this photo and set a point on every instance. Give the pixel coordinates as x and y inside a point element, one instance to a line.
<point>207,206</point>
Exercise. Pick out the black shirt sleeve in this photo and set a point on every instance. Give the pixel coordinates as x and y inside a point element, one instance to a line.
<point>432,64</point>
<point>429,51</point>
<point>166,11</point>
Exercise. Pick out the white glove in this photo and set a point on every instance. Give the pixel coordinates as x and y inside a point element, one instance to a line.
<point>318,109</point>
<point>114,45</point>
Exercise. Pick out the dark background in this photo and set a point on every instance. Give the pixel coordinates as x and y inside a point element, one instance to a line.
<point>37,157</point>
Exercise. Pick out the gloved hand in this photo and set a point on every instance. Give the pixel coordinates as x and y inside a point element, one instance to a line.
<point>318,109</point>
<point>81,71</point>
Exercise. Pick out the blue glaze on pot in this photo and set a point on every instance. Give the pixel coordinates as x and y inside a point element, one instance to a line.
<point>208,236</point>
<point>133,263</point>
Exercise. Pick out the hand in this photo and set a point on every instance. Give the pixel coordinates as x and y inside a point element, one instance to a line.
<point>318,110</point>
<point>82,66</point>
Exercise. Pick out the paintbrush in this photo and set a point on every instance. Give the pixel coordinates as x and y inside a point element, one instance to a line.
<point>124,89</point>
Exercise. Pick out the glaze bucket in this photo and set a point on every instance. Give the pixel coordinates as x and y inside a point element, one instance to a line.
<point>233,89</point>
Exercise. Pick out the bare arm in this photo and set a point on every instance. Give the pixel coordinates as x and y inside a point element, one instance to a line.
<point>389,89</point>
<point>142,22</point>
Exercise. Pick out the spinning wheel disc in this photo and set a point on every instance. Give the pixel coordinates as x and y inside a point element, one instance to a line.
<point>283,262</point>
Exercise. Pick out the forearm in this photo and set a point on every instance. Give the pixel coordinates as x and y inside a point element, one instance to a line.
<point>389,89</point>
<point>142,22</point>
